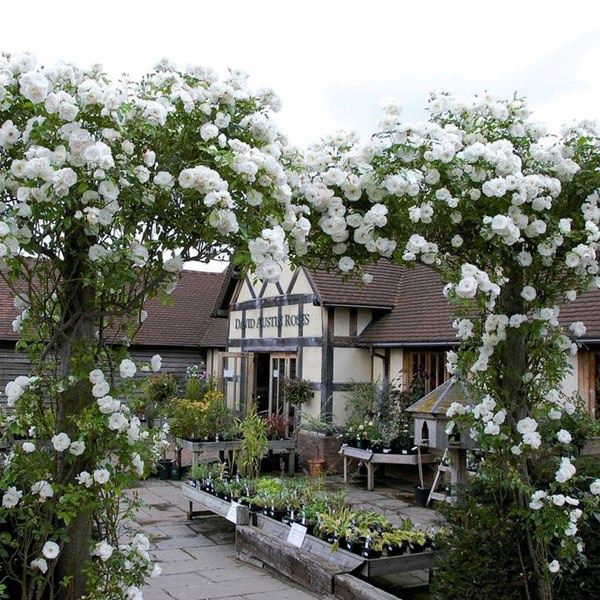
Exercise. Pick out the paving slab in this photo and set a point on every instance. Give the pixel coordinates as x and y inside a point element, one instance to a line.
<point>198,558</point>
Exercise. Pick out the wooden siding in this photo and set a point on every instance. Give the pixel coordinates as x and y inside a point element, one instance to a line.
<point>174,361</point>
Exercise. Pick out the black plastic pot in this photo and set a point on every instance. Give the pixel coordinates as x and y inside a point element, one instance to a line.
<point>165,468</point>
<point>421,495</point>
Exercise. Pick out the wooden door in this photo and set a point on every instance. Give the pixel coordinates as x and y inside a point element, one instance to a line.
<point>236,380</point>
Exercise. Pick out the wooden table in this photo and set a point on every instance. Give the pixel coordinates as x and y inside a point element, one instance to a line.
<point>370,459</point>
<point>226,449</point>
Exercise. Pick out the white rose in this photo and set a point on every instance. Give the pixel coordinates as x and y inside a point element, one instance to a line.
<point>34,86</point>
<point>100,389</point>
<point>173,264</point>
<point>127,368</point>
<point>61,442</point>
<point>84,478</point>
<point>467,287</point>
<point>118,422</point>
<point>50,550</point>
<point>156,362</point>
<point>77,448</point>
<point>578,329</point>
<point>104,550</point>
<point>595,487</point>
<point>528,293</point>
<point>564,437</point>
<point>40,564</point>
<point>164,179</point>
<point>101,476</point>
<point>43,489</point>
<point>345,264</point>
<point>208,131</point>
<point>28,447</point>
<point>11,497</point>
<point>554,566</point>
<point>96,376</point>
<point>535,503</point>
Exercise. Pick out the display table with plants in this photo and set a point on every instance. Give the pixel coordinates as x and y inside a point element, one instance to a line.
<point>226,449</point>
<point>370,459</point>
<point>333,533</point>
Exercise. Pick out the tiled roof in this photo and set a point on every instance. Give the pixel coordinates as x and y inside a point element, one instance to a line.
<point>587,309</point>
<point>8,313</point>
<point>185,322</point>
<point>216,333</point>
<point>421,314</point>
<point>333,290</point>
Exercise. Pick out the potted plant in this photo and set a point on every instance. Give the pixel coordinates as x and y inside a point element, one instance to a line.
<point>153,405</point>
<point>254,444</point>
<point>296,391</point>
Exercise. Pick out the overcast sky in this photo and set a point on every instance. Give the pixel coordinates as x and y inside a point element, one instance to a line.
<point>331,60</point>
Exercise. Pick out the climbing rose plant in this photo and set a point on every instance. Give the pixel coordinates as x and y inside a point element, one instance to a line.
<point>509,216</point>
<point>106,189</point>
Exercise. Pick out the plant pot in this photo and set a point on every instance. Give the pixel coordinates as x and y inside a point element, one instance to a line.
<point>369,553</point>
<point>421,495</point>
<point>165,468</point>
<point>316,467</point>
<point>175,473</point>
<point>355,547</point>
<point>396,549</point>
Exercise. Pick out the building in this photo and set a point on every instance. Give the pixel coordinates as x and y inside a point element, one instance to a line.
<point>179,331</point>
<point>317,326</point>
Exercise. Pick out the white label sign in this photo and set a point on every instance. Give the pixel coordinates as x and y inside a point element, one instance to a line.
<point>232,512</point>
<point>297,535</point>
<point>227,373</point>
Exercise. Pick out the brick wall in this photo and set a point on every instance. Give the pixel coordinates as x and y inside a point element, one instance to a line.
<point>316,445</point>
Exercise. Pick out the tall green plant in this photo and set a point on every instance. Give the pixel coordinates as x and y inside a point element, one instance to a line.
<point>254,443</point>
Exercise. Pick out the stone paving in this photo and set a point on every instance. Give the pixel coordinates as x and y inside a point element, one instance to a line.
<point>198,557</point>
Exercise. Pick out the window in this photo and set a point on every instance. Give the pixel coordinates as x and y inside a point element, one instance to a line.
<point>425,369</point>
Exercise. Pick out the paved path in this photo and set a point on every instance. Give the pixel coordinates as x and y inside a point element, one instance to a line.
<point>198,557</point>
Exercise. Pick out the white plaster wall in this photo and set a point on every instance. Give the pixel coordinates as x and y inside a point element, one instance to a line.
<point>377,369</point>
<point>570,382</point>
<point>351,365</point>
<point>311,363</point>
<point>314,328</point>
<point>339,407</point>
<point>244,292</point>
<point>341,321</point>
<point>364,318</point>
<point>302,285</point>
<point>396,366</point>
<point>311,370</point>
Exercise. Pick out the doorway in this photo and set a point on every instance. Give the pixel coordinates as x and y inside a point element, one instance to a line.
<point>272,369</point>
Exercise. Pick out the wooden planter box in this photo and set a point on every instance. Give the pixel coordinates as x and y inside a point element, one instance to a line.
<point>239,514</point>
<point>343,561</point>
<point>313,445</point>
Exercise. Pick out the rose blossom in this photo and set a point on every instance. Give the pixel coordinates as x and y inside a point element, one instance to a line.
<point>127,368</point>
<point>50,550</point>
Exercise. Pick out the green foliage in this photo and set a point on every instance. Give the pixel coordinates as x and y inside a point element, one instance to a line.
<point>254,444</point>
<point>320,424</point>
<point>480,557</point>
<point>296,391</point>
<point>200,419</point>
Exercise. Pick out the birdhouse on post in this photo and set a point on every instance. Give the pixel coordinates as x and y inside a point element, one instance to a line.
<point>431,423</point>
